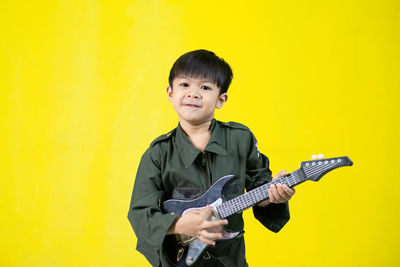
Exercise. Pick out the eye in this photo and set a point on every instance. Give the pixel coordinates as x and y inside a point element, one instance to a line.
<point>205,87</point>
<point>184,84</point>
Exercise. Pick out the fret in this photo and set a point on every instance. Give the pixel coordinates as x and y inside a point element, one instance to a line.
<point>256,195</point>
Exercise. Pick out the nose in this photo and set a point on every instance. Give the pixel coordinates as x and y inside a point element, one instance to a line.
<point>193,93</point>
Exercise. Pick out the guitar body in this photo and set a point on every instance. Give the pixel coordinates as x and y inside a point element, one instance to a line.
<point>188,252</point>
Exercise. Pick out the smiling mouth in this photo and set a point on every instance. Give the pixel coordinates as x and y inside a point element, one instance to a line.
<point>191,105</point>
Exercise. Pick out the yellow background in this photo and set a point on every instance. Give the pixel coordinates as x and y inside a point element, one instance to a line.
<point>82,95</point>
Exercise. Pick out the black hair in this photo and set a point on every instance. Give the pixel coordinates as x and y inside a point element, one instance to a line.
<point>203,64</point>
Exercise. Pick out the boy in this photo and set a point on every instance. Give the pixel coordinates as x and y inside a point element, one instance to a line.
<point>185,162</point>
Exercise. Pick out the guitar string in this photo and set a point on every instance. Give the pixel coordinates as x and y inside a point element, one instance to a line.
<point>311,170</point>
<point>242,202</point>
<point>316,169</point>
<point>258,194</point>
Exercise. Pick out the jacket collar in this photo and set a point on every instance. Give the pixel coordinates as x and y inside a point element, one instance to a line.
<point>216,144</point>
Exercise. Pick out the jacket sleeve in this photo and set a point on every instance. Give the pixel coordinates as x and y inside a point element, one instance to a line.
<point>273,216</point>
<point>149,223</point>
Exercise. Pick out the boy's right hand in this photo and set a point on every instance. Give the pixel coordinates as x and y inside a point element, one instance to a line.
<point>199,223</point>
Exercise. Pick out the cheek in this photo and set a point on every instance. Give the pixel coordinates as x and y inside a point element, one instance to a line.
<point>174,104</point>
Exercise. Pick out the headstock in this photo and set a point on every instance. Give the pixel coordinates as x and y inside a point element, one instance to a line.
<point>315,169</point>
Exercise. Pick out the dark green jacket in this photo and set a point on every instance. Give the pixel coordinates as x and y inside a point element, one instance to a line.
<point>173,168</point>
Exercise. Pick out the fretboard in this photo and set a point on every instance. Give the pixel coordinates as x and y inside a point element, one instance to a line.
<point>251,198</point>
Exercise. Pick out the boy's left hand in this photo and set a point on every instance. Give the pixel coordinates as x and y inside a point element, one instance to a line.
<point>278,193</point>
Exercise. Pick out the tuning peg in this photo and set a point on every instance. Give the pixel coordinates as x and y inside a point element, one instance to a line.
<point>314,157</point>
<point>320,156</point>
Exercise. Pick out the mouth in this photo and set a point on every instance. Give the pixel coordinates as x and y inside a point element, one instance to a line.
<point>192,105</point>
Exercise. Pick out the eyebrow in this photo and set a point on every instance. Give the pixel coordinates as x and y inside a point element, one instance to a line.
<point>185,77</point>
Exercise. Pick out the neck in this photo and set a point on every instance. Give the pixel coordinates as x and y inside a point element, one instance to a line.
<point>198,134</point>
<point>195,129</point>
<point>251,198</point>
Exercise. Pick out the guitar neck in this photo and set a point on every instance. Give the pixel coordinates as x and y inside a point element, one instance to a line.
<point>251,198</point>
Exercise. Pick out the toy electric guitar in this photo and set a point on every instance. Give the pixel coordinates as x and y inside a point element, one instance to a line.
<point>185,250</point>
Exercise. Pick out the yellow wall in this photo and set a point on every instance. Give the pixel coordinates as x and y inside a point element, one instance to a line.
<point>82,94</point>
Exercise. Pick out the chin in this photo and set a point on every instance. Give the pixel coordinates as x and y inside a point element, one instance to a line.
<point>198,121</point>
<point>195,119</point>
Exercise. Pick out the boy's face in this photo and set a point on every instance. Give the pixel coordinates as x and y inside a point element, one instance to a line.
<point>195,100</point>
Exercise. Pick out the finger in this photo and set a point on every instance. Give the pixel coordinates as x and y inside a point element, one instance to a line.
<point>279,194</point>
<point>285,192</point>
<point>209,235</point>
<point>283,196</point>
<point>206,241</point>
<point>288,190</point>
<point>280,174</point>
<point>211,224</point>
<point>206,212</point>
<point>272,193</point>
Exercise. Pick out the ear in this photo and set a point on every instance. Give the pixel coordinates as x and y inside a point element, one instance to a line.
<point>169,93</point>
<point>222,100</point>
